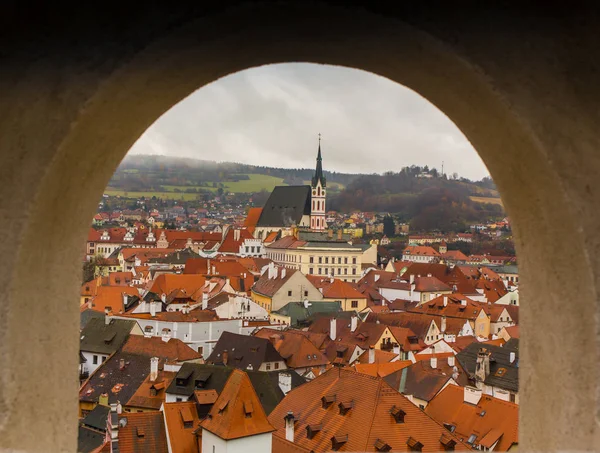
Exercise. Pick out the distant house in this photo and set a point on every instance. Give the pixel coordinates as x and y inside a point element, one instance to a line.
<point>102,337</point>
<point>297,314</point>
<point>278,285</point>
<point>420,254</point>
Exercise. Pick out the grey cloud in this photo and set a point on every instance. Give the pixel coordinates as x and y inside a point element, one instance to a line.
<point>271,116</point>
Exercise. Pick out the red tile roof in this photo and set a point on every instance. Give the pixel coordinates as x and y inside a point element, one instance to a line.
<point>237,412</point>
<point>334,288</point>
<point>490,420</point>
<point>143,431</point>
<point>174,349</point>
<point>369,404</point>
<point>181,421</point>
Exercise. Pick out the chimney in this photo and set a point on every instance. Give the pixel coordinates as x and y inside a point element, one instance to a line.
<point>330,233</point>
<point>236,234</point>
<point>445,301</point>
<point>214,270</point>
<point>285,382</point>
<point>371,354</point>
<point>482,367</point>
<point>472,395</point>
<point>152,309</point>
<point>289,426</point>
<point>396,349</point>
<point>433,362</point>
<point>513,356</point>
<point>283,272</point>
<point>106,316</point>
<point>443,325</point>
<point>353,323</point>
<point>153,369</point>
<point>166,335</point>
<point>121,364</point>
<point>305,303</point>
<point>332,329</point>
<point>112,423</point>
<point>411,279</point>
<point>163,298</point>
<point>451,360</point>
<point>225,357</point>
<point>463,302</point>
<point>204,301</point>
<point>339,234</point>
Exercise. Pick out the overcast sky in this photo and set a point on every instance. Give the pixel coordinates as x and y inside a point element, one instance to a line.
<point>271,116</point>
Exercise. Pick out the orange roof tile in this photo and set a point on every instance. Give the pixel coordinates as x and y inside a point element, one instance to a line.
<point>174,349</point>
<point>167,283</point>
<point>252,218</point>
<point>143,431</point>
<point>369,406</point>
<point>490,420</point>
<point>381,369</point>
<point>144,397</point>
<point>181,421</point>
<point>237,412</point>
<point>334,288</point>
<point>111,297</point>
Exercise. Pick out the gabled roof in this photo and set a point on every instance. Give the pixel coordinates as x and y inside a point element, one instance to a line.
<point>298,312</point>
<point>296,349</point>
<point>334,288</point>
<point>143,431</point>
<point>420,250</point>
<point>370,405</point>
<point>252,218</point>
<point>490,420</point>
<point>503,373</point>
<point>181,420</point>
<point>167,283</point>
<point>193,377</point>
<point>285,207</point>
<point>174,349</point>
<point>102,338</point>
<point>420,380</point>
<point>243,352</point>
<point>237,412</point>
<point>269,286</point>
<point>144,398</point>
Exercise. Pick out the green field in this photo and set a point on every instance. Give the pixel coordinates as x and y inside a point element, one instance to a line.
<point>256,183</point>
<point>487,200</point>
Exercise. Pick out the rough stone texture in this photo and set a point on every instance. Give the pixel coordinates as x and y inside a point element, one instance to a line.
<point>78,88</point>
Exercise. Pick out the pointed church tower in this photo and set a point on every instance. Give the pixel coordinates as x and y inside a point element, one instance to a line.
<point>317,211</point>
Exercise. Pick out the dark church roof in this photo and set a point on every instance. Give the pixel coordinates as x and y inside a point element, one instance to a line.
<point>285,207</point>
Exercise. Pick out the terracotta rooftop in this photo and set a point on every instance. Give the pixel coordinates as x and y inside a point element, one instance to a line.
<point>237,412</point>
<point>181,420</point>
<point>143,431</point>
<point>491,420</point>
<point>174,349</point>
<point>151,394</point>
<point>334,288</point>
<point>356,412</point>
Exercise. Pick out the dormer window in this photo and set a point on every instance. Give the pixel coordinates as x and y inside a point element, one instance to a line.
<point>398,414</point>
<point>312,430</point>
<point>223,406</point>
<point>345,406</point>
<point>248,409</point>
<point>447,442</point>
<point>327,401</point>
<point>380,445</point>
<point>338,441</point>
<point>414,444</point>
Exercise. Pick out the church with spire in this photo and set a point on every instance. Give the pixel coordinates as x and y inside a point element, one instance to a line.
<point>291,208</point>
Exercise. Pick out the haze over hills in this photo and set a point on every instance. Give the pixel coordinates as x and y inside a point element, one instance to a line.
<point>417,194</point>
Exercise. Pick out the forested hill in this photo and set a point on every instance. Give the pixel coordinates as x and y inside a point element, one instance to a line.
<point>416,194</point>
<point>426,202</point>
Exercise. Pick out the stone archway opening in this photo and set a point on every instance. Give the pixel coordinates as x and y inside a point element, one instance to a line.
<point>86,115</point>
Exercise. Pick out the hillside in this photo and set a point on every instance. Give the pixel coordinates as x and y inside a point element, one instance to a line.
<point>414,194</point>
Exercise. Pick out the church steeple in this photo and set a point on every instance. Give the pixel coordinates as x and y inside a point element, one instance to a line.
<point>317,212</point>
<point>319,176</point>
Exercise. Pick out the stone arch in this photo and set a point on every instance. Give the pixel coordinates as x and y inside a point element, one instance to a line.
<point>70,116</point>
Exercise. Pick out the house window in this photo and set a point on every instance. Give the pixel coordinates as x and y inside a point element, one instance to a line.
<point>276,366</point>
<point>103,359</point>
<point>268,367</point>
<point>319,271</point>
<point>310,270</point>
<point>354,260</point>
<point>339,260</point>
<point>179,400</point>
<point>95,360</point>
<point>346,260</point>
<point>200,350</point>
<point>306,292</point>
<point>320,259</point>
<point>354,304</point>
<point>289,294</point>
<point>311,259</point>
<point>345,271</point>
<point>339,270</point>
<point>326,259</point>
<point>354,271</point>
